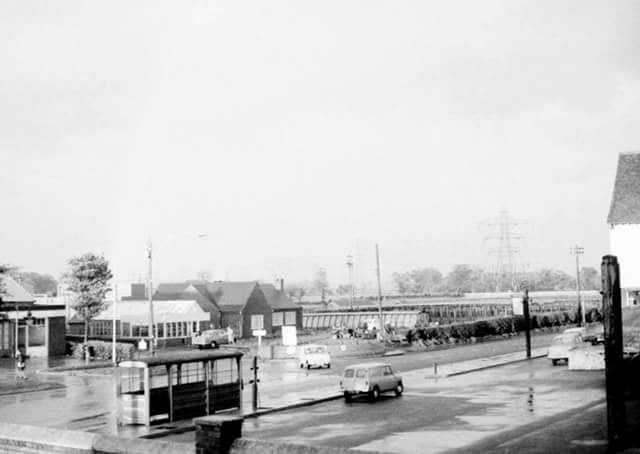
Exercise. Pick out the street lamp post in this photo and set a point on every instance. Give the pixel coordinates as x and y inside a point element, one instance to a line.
<point>379,293</point>
<point>114,324</point>
<point>150,294</point>
<point>152,333</point>
<point>577,251</point>
<point>351,290</point>
<point>17,333</point>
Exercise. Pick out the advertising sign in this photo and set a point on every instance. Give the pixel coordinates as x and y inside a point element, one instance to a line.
<point>289,336</point>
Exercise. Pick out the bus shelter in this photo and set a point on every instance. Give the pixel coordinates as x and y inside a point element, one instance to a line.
<point>180,386</point>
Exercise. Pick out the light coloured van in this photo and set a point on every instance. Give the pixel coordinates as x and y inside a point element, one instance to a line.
<point>370,379</point>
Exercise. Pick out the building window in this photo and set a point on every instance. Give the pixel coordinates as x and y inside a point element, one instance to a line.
<point>290,318</point>
<point>278,318</point>
<point>257,321</point>
<point>160,330</point>
<point>194,328</point>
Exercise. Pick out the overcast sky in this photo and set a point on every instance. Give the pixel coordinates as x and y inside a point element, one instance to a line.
<point>295,133</point>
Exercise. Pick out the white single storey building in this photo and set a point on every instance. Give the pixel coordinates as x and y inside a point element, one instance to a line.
<point>624,225</point>
<point>173,320</point>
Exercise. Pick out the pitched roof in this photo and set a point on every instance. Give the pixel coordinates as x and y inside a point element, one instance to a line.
<point>137,312</point>
<point>625,202</point>
<point>185,291</point>
<point>172,288</point>
<point>277,299</point>
<point>231,295</point>
<point>13,292</point>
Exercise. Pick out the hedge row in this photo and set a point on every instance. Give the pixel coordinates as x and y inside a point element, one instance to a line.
<point>102,350</point>
<point>462,332</point>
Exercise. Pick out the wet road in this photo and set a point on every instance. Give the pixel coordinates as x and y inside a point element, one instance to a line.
<point>438,415</point>
<point>420,360</point>
<point>87,401</point>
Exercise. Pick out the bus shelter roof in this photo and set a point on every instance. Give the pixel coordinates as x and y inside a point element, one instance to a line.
<point>182,357</point>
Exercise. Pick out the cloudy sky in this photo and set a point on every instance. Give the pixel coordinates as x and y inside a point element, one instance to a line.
<point>297,132</point>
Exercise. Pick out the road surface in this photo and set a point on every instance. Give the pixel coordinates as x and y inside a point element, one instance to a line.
<point>476,412</point>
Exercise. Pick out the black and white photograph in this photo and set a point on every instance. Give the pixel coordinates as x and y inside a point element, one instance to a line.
<point>319,227</point>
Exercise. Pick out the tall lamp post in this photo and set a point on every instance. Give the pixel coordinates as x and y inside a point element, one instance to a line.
<point>379,293</point>
<point>350,267</point>
<point>578,251</point>
<point>152,331</point>
<point>150,294</point>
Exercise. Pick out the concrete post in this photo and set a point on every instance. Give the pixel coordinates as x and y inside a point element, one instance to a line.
<point>614,367</point>
<point>216,433</point>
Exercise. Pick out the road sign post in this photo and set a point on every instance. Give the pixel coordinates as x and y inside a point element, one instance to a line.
<point>524,285</point>
<point>254,385</point>
<point>259,333</point>
<point>527,327</point>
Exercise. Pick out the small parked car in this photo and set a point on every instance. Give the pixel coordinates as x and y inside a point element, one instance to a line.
<point>580,330</point>
<point>561,345</point>
<point>314,356</point>
<point>370,379</point>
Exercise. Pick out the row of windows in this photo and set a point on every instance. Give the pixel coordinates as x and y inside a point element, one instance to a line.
<point>278,319</point>
<point>219,372</point>
<point>185,329</point>
<point>284,318</point>
<point>395,319</point>
<point>173,329</point>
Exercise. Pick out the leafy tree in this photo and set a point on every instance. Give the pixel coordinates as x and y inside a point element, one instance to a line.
<point>403,282</point>
<point>549,279</point>
<point>4,269</point>
<point>88,278</point>
<point>344,289</point>
<point>38,283</point>
<point>459,279</point>
<point>295,291</point>
<point>590,278</point>
<point>418,281</point>
<point>204,276</point>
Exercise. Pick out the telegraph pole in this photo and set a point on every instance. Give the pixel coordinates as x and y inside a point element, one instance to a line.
<point>379,290</point>
<point>582,317</point>
<point>114,324</point>
<point>150,296</point>
<point>527,326</point>
<point>351,289</point>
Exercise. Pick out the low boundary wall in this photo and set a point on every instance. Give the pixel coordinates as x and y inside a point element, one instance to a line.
<point>16,438</point>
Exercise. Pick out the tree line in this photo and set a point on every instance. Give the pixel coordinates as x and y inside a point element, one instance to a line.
<point>461,279</point>
<point>467,278</point>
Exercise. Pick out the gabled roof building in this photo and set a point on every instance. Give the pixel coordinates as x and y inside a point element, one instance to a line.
<point>624,225</point>
<point>243,306</point>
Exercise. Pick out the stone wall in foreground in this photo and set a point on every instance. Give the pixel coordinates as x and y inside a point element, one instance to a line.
<point>16,438</point>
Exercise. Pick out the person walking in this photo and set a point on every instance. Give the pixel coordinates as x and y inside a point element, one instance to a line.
<point>20,366</point>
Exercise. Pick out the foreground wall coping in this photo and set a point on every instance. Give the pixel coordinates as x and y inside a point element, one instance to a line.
<point>249,446</point>
<point>62,440</point>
